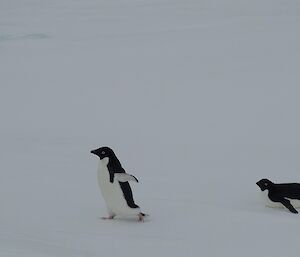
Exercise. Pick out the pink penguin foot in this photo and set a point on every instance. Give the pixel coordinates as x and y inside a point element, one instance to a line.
<point>141,217</point>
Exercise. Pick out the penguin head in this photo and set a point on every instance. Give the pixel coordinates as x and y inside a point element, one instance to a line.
<point>264,184</point>
<point>103,152</point>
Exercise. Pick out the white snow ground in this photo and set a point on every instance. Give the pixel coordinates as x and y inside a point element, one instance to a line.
<point>199,99</point>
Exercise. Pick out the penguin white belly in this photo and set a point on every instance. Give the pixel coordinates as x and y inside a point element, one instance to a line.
<point>269,203</point>
<point>112,192</point>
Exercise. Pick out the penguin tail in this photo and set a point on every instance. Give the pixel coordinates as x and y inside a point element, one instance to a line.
<point>144,214</point>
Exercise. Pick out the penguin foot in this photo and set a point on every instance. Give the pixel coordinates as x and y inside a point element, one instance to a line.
<point>141,217</point>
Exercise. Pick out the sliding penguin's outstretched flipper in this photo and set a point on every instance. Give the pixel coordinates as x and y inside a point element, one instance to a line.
<point>124,177</point>
<point>287,204</point>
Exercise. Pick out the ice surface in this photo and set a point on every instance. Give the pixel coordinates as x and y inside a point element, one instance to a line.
<point>199,100</point>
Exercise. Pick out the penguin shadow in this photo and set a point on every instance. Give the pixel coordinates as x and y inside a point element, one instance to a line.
<point>128,219</point>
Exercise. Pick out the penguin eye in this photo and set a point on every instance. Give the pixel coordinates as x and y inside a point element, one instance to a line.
<point>266,184</point>
<point>103,152</point>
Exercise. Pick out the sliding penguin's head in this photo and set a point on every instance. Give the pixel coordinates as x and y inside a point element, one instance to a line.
<point>103,152</point>
<point>264,184</point>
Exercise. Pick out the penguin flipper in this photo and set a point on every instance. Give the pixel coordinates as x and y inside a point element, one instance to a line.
<point>124,177</point>
<point>286,203</point>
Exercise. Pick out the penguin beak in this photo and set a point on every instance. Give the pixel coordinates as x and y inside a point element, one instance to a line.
<point>259,185</point>
<point>93,151</point>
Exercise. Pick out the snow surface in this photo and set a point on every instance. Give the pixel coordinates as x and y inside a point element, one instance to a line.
<point>199,100</point>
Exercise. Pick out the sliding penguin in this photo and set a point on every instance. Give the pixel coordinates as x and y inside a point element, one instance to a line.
<point>281,195</point>
<point>114,186</point>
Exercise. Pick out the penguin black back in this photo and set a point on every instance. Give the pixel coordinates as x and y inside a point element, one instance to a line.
<point>128,194</point>
<point>288,190</point>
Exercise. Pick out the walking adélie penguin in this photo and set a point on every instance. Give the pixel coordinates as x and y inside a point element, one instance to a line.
<point>114,186</point>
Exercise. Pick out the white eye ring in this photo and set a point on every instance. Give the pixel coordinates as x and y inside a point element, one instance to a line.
<point>266,184</point>
<point>102,152</point>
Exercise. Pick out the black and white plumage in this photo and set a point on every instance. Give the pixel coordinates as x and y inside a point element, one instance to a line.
<point>114,186</point>
<point>280,195</point>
